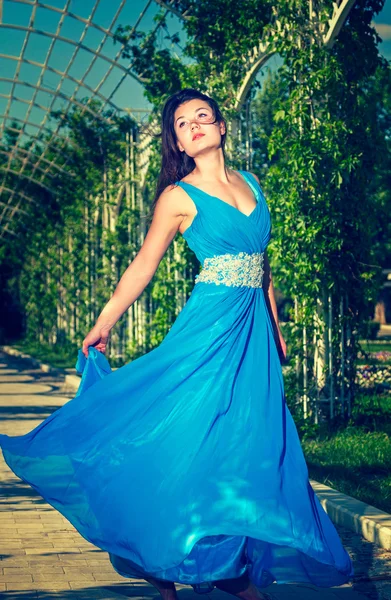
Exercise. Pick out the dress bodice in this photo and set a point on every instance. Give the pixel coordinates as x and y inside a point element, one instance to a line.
<point>220,228</point>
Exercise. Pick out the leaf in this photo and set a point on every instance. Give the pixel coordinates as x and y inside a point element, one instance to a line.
<point>279,115</point>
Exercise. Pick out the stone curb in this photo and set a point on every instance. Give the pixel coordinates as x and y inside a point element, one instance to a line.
<point>368,521</point>
<point>34,361</point>
<point>71,380</point>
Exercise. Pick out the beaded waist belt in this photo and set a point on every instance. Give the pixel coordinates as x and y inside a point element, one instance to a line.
<point>233,269</point>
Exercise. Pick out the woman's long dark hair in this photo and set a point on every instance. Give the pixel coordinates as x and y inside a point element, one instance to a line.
<point>177,164</point>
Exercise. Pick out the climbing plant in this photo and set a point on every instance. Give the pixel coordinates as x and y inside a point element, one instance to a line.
<point>327,142</point>
<point>318,150</point>
<point>318,142</point>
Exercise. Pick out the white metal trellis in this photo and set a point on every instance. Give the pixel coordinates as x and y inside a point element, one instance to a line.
<point>264,51</point>
<point>37,167</point>
<point>30,154</point>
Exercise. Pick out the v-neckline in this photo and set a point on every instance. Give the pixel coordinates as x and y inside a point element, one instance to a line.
<point>226,203</point>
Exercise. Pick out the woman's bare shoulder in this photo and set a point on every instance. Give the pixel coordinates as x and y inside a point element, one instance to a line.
<point>174,199</point>
<point>256,176</point>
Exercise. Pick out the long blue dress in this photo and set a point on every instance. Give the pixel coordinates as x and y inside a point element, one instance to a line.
<point>185,463</point>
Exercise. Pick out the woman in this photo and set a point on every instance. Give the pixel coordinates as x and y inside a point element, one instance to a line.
<point>185,464</point>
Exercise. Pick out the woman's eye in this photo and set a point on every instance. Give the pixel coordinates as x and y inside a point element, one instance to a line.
<point>182,123</point>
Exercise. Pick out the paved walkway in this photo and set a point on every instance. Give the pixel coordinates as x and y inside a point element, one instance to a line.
<point>43,556</point>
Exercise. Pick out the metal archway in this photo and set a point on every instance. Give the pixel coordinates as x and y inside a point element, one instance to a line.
<point>32,162</point>
<point>36,166</point>
<point>24,196</point>
<point>30,156</point>
<point>263,52</point>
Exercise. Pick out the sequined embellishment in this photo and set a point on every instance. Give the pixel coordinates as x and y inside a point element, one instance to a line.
<point>236,270</point>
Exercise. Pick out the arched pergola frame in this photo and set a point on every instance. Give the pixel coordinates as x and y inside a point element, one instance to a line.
<point>55,136</point>
<point>29,199</point>
<point>30,155</point>
<point>44,167</point>
<point>260,54</point>
<point>18,174</point>
<point>41,167</point>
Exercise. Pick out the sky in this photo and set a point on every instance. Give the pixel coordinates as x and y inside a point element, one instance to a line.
<point>38,48</point>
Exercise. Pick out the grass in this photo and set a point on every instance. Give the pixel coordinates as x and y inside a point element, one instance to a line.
<point>369,349</point>
<point>62,356</point>
<point>355,461</point>
<point>375,346</point>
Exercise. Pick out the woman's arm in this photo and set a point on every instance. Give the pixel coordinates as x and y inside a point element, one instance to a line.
<point>272,305</point>
<point>164,226</point>
<point>167,217</point>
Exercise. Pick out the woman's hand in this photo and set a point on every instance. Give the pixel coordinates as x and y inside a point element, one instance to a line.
<point>97,337</point>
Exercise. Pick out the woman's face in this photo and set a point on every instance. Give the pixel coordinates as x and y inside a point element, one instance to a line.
<point>194,128</point>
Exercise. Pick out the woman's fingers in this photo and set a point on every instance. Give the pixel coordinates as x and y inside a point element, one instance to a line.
<point>97,337</point>
<point>89,340</point>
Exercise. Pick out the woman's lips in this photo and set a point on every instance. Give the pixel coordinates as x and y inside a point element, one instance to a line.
<point>198,135</point>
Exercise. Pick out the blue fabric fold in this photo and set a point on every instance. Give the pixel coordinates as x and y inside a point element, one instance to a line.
<point>92,369</point>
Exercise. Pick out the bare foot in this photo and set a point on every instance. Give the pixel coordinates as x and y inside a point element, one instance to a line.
<point>253,593</point>
<point>242,588</point>
<point>166,589</point>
